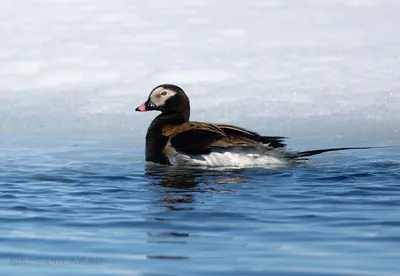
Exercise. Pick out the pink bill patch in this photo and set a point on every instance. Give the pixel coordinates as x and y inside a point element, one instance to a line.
<point>142,107</point>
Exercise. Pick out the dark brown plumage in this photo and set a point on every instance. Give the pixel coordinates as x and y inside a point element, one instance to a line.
<point>201,138</point>
<point>173,126</point>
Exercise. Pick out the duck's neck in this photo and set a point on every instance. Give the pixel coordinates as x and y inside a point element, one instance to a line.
<point>155,141</point>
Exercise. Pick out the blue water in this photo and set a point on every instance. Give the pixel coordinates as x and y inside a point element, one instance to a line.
<point>95,208</point>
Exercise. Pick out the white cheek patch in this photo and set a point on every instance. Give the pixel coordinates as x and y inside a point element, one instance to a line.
<point>158,99</point>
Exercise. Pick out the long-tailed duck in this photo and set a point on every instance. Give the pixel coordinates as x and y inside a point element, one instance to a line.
<point>174,140</point>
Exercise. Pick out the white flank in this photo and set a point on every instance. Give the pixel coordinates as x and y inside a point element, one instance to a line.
<point>223,158</point>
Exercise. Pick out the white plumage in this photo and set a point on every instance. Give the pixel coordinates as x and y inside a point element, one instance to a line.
<point>224,158</point>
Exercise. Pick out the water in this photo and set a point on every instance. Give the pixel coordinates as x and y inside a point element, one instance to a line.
<point>95,208</point>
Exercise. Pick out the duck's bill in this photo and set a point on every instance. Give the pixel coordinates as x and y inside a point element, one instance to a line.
<point>147,106</point>
<point>141,108</point>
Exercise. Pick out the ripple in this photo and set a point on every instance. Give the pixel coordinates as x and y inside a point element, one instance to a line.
<point>307,215</point>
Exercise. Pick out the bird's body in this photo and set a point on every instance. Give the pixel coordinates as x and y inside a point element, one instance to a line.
<point>174,140</point>
<point>235,157</point>
<point>217,145</point>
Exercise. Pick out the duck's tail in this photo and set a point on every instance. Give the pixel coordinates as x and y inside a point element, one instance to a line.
<point>301,154</point>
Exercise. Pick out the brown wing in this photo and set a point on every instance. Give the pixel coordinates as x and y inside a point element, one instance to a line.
<point>201,138</point>
<point>270,141</point>
<point>193,137</point>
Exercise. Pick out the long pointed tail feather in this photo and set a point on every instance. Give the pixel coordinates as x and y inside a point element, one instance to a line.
<point>301,154</point>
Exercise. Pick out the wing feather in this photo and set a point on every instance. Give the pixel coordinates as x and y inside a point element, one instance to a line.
<point>201,138</point>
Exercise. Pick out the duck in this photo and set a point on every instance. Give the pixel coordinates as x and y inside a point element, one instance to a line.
<point>172,139</point>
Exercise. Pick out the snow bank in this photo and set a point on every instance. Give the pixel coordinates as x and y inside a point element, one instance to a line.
<point>294,68</point>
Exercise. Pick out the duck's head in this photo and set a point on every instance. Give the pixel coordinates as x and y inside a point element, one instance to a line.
<point>167,98</point>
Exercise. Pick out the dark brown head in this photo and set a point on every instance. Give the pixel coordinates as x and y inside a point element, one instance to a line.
<point>168,99</point>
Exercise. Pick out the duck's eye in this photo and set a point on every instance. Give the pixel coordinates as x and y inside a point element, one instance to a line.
<point>164,93</point>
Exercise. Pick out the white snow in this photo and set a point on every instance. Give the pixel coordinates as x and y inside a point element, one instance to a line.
<point>295,68</point>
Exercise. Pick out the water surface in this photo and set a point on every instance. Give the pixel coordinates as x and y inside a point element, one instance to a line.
<point>92,208</point>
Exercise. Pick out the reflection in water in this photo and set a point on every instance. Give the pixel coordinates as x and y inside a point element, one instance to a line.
<point>167,257</point>
<point>187,178</point>
<point>167,176</point>
<point>181,184</point>
<point>177,188</point>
